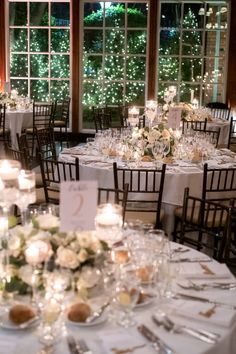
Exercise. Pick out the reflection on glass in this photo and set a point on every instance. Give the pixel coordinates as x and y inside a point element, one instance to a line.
<point>60,13</point>
<point>39,89</point>
<point>39,65</point>
<point>16,44</point>
<point>114,67</point>
<point>135,69</point>
<point>115,41</point>
<point>115,15</point>
<point>136,42</point>
<point>39,40</point>
<point>140,11</point>
<point>169,42</point>
<point>38,13</point>
<point>60,66</point>
<point>93,66</point>
<point>21,86</point>
<point>93,41</point>
<point>60,40</point>
<point>59,89</point>
<point>18,13</point>
<point>136,92</point>
<point>19,65</point>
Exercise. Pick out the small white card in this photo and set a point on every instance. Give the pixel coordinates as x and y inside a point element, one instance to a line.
<point>78,204</point>
<point>174,117</point>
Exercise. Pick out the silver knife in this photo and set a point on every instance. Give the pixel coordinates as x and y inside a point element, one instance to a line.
<point>158,344</point>
<point>191,260</point>
<point>73,345</point>
<point>203,299</point>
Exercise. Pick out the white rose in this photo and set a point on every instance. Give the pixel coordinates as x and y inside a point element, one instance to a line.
<point>37,252</point>
<point>84,239</point>
<point>14,243</point>
<point>25,273</point>
<point>67,258</point>
<point>95,245</point>
<point>47,221</point>
<point>89,277</point>
<point>166,134</point>
<point>83,255</point>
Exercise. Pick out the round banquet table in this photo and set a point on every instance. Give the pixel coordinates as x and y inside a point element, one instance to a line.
<point>16,120</point>
<point>224,126</point>
<point>106,335</point>
<point>178,175</point>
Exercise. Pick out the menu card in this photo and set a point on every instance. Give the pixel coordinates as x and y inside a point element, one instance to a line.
<point>174,117</point>
<point>78,204</point>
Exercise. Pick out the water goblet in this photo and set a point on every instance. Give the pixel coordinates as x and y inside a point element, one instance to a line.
<point>126,295</point>
<point>166,148</point>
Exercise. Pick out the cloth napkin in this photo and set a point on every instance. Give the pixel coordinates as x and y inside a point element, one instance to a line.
<point>204,270</point>
<point>115,340</point>
<point>205,312</point>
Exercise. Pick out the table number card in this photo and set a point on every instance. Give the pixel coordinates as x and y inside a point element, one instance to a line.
<point>174,117</point>
<point>78,204</point>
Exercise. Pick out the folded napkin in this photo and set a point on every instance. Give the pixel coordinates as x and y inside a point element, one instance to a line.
<point>120,341</point>
<point>204,270</point>
<point>200,311</point>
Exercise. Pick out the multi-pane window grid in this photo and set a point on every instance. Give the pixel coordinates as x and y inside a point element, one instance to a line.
<point>46,71</point>
<point>196,70</point>
<point>121,74</point>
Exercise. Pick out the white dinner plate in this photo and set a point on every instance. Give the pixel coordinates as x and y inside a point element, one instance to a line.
<point>6,323</point>
<point>96,322</point>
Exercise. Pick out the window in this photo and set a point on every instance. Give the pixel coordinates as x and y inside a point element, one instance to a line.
<point>114,55</point>
<point>40,48</point>
<point>192,49</point>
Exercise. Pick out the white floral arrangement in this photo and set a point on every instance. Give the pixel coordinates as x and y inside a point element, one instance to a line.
<point>32,245</point>
<point>7,99</point>
<point>145,138</point>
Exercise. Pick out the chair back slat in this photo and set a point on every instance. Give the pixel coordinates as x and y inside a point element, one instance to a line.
<point>219,183</point>
<point>205,218</point>
<point>53,173</point>
<point>145,188</point>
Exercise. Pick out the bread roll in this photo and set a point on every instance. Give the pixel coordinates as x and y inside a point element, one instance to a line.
<point>121,256</point>
<point>21,313</point>
<point>79,312</point>
<point>144,273</point>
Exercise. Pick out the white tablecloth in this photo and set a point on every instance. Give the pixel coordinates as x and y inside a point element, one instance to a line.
<point>16,121</point>
<point>178,176</point>
<point>224,130</point>
<point>109,334</point>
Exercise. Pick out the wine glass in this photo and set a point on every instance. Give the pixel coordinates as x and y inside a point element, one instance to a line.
<point>157,151</point>
<point>166,148</point>
<point>27,193</point>
<point>126,294</point>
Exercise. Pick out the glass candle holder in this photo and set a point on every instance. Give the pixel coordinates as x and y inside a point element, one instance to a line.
<point>151,110</point>
<point>27,193</point>
<point>108,222</point>
<point>133,116</point>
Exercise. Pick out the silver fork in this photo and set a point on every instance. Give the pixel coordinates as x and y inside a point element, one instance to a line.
<point>200,287</point>
<point>169,325</point>
<point>84,347</point>
<point>98,313</point>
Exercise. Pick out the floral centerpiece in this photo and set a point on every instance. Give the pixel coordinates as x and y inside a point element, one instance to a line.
<point>32,245</point>
<point>145,138</point>
<point>9,99</point>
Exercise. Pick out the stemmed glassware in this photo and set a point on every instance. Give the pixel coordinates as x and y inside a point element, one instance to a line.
<point>27,193</point>
<point>126,295</point>
<point>166,148</point>
<point>157,151</point>
<point>151,111</point>
<point>9,192</point>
